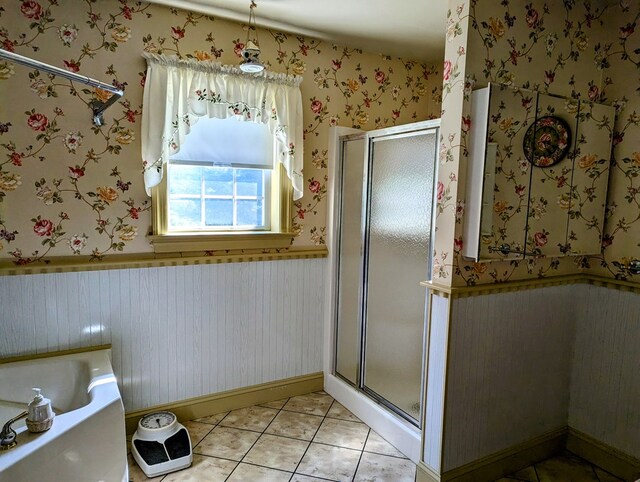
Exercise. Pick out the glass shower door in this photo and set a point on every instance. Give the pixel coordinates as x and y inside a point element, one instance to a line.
<point>398,245</point>
<point>349,259</point>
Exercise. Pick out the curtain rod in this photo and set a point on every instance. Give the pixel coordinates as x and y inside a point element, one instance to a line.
<point>98,107</point>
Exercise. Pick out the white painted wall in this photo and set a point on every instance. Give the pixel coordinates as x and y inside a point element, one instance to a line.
<point>509,369</point>
<point>177,332</point>
<point>605,383</point>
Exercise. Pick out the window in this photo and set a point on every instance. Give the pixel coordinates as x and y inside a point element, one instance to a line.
<point>222,154</point>
<point>220,178</point>
<point>206,198</point>
<point>220,183</point>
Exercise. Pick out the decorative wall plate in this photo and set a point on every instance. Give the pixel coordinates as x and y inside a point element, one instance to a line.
<point>546,141</point>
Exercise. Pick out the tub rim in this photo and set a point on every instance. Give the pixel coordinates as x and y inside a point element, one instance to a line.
<point>103,391</point>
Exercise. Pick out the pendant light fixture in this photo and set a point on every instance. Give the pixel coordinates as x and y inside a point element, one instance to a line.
<point>251,51</point>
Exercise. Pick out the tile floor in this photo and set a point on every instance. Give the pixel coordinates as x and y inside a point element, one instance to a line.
<point>564,468</point>
<point>309,438</point>
<point>312,438</point>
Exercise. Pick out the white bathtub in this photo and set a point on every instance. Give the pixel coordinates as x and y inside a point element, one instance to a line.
<point>87,440</point>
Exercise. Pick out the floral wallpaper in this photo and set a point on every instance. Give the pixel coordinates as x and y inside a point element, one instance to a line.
<point>563,48</point>
<point>69,188</point>
<point>455,88</point>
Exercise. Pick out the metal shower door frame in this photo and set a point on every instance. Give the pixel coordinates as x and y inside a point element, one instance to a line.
<point>370,137</point>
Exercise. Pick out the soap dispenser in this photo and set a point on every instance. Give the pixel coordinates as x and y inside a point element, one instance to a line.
<point>40,414</point>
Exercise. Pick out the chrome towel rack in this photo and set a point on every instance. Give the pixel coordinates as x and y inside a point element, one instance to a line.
<point>98,107</point>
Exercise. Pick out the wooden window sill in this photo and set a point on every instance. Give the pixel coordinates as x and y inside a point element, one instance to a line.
<point>187,242</point>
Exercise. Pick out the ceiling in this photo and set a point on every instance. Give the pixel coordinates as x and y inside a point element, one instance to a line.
<point>412,29</point>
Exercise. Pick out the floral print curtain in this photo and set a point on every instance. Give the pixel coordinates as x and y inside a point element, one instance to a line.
<point>177,92</point>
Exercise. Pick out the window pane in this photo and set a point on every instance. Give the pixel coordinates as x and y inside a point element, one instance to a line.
<point>184,212</point>
<point>249,182</point>
<point>218,212</point>
<point>250,213</point>
<point>218,181</point>
<point>184,179</point>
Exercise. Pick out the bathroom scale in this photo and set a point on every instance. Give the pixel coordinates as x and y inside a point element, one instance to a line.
<point>161,444</point>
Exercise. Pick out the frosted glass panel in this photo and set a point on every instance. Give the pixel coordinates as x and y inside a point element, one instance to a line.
<point>401,197</point>
<point>349,266</point>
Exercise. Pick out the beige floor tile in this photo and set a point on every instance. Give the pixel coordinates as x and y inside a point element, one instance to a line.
<point>606,476</point>
<point>277,452</point>
<point>250,418</point>
<point>197,431</point>
<point>227,443</point>
<point>351,435</point>
<point>312,404</point>
<point>565,469</point>
<point>306,478</point>
<point>528,474</point>
<point>277,404</point>
<point>203,469</point>
<point>212,419</point>
<point>251,473</point>
<point>338,411</point>
<point>382,468</point>
<point>376,444</point>
<point>295,425</point>
<point>335,463</point>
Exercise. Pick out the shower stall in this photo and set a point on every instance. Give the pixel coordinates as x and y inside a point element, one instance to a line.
<point>381,240</point>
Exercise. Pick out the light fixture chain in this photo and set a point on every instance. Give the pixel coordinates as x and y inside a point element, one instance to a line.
<point>251,50</point>
<point>252,25</point>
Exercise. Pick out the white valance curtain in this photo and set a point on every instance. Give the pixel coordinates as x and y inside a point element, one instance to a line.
<point>177,92</point>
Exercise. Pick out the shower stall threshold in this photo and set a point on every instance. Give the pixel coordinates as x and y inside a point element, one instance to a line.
<point>397,431</point>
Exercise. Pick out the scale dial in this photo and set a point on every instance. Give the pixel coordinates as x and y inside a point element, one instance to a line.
<point>157,423</point>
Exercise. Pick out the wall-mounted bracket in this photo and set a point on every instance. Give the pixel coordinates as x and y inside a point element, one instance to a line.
<point>98,107</point>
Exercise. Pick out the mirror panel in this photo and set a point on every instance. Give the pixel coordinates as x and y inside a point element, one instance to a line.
<point>590,177</point>
<point>507,174</point>
<point>550,189</point>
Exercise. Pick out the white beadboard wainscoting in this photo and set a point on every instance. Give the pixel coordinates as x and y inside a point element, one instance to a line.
<point>436,379</point>
<point>605,381</point>
<point>524,363</point>
<point>508,370</point>
<point>176,332</point>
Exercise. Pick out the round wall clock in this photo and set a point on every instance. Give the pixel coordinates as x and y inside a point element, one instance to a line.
<point>546,141</point>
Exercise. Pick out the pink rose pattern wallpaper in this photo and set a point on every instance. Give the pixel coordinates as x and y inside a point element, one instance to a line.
<point>580,50</point>
<point>70,188</point>
<point>455,87</point>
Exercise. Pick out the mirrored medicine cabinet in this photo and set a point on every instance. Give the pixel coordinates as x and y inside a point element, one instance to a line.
<point>537,176</point>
